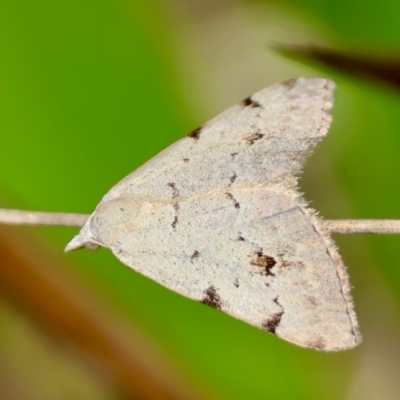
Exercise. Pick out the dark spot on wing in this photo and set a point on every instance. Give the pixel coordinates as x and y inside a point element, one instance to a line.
<point>212,298</point>
<point>252,138</point>
<point>272,323</point>
<point>230,195</point>
<point>328,253</point>
<point>290,265</point>
<point>185,160</point>
<point>236,282</point>
<point>122,209</point>
<point>313,301</point>
<point>175,191</point>
<point>292,108</point>
<point>352,331</point>
<point>248,101</point>
<point>318,344</point>
<point>284,264</point>
<point>241,238</point>
<point>264,262</point>
<point>233,155</point>
<point>176,208</point>
<point>196,133</point>
<point>233,178</point>
<point>194,255</point>
<point>299,265</point>
<point>315,230</point>
<point>290,83</point>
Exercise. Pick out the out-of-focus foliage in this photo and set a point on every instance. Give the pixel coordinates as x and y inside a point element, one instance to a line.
<point>91,90</point>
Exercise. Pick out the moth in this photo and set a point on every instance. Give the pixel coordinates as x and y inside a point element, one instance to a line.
<point>217,217</point>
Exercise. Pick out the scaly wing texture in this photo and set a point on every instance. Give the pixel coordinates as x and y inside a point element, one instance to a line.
<point>216,217</point>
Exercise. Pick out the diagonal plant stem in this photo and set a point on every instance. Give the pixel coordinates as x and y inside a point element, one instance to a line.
<point>340,226</point>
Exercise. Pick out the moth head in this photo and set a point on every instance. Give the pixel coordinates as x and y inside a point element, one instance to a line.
<point>108,219</point>
<point>83,240</point>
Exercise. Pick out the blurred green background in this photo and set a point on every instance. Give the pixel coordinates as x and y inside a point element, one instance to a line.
<point>90,90</point>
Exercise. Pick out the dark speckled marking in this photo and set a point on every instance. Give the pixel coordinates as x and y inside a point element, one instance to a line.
<point>318,344</point>
<point>313,301</point>
<point>290,83</point>
<point>185,160</point>
<point>265,262</point>
<point>212,298</point>
<point>249,102</point>
<point>233,178</point>
<point>272,323</point>
<point>252,138</point>
<point>194,255</point>
<point>175,221</point>
<point>195,134</point>
<point>241,239</point>
<point>236,203</point>
<point>175,191</point>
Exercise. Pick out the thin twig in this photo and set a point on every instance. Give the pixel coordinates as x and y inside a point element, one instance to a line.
<point>341,226</point>
<point>351,226</point>
<point>18,217</point>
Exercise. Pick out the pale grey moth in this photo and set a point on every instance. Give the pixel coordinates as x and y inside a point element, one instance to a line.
<point>216,217</point>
